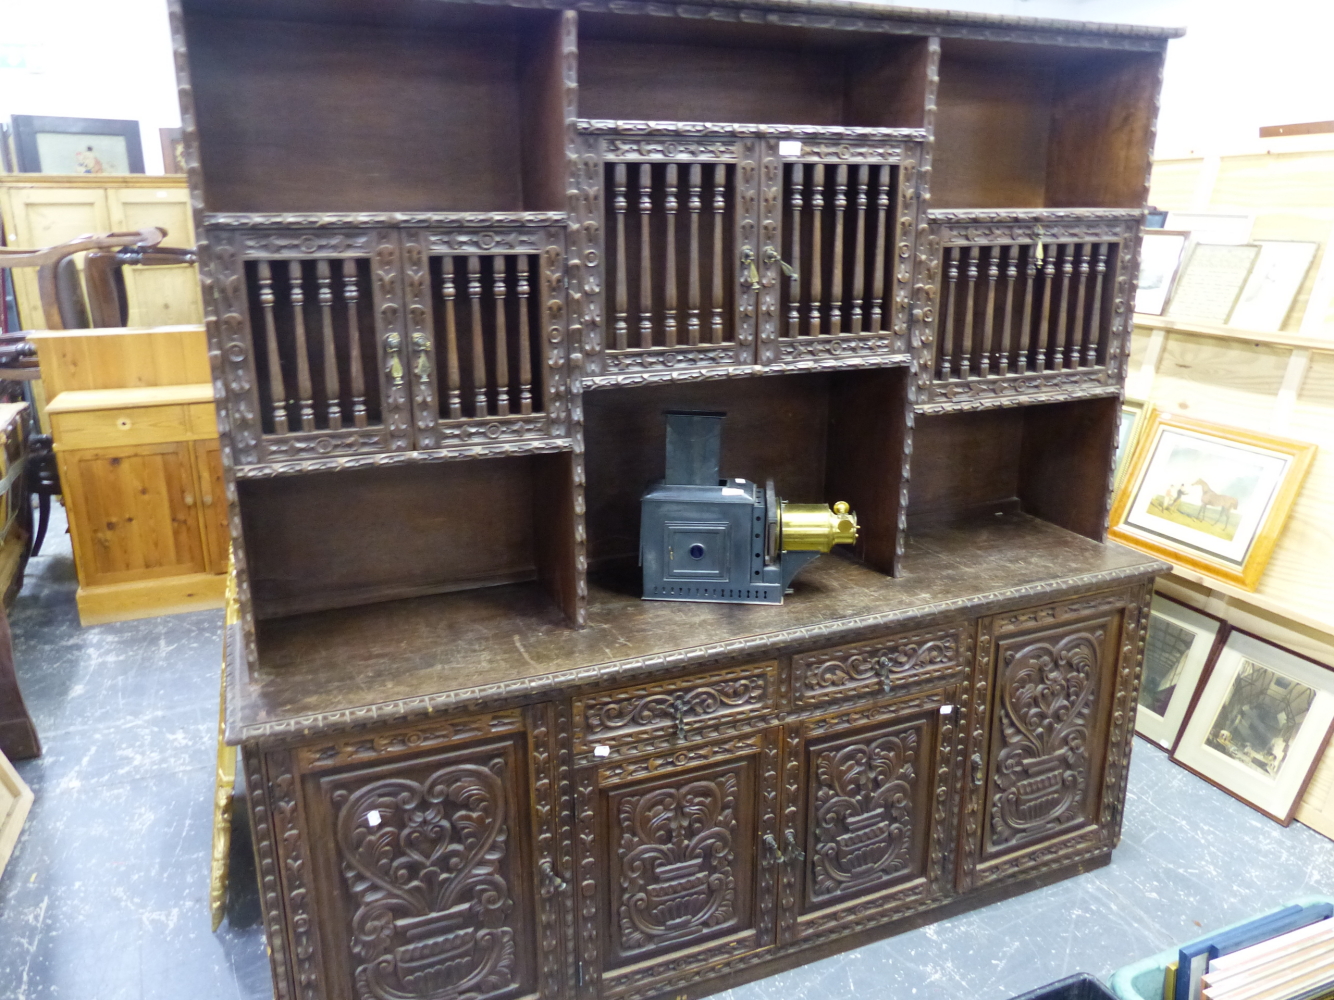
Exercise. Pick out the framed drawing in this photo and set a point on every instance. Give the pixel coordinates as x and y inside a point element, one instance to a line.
<point>44,145</point>
<point>1209,497</point>
<point>1127,433</point>
<point>1159,260</point>
<point>1211,279</point>
<point>15,801</point>
<point>1179,647</point>
<point>1260,725</point>
<point>1213,227</point>
<point>1275,279</point>
<point>173,150</point>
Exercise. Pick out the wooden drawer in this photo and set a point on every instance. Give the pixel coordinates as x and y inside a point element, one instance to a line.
<point>883,665</point>
<point>683,708</point>
<point>203,420</point>
<point>131,425</point>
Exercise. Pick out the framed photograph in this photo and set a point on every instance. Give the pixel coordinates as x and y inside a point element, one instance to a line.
<point>1209,497</point>
<point>44,145</point>
<point>1159,259</point>
<point>1260,725</point>
<point>1179,647</point>
<point>1275,278</point>
<point>173,150</point>
<point>1211,280</point>
<point>1132,422</point>
<point>1213,227</point>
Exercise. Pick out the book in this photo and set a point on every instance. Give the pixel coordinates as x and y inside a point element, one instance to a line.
<point>1193,959</point>
<point>1266,958</point>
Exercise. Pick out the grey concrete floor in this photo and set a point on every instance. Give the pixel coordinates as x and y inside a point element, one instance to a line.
<point>106,896</point>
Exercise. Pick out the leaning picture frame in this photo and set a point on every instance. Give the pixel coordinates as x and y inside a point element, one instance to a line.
<point>1261,724</point>
<point>1134,415</point>
<point>1160,256</point>
<point>49,145</point>
<point>1209,497</point>
<point>1180,646</point>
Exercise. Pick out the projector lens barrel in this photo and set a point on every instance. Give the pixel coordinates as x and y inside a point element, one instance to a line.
<point>814,527</point>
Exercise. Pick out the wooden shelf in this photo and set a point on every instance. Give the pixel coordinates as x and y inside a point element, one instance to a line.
<point>1255,600</point>
<point>1293,340</point>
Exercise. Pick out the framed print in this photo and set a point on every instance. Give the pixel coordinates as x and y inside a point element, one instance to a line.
<point>45,145</point>
<point>1159,259</point>
<point>1275,279</point>
<point>1209,497</point>
<point>1260,725</point>
<point>1127,433</point>
<point>1176,653</point>
<point>1213,227</point>
<point>173,150</point>
<point>1211,280</point>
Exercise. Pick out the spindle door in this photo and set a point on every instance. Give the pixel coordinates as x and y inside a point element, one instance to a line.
<point>837,216</point>
<point>350,342</point>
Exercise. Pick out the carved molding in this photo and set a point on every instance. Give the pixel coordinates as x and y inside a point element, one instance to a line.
<point>795,348</point>
<point>298,244</point>
<point>1052,613</point>
<point>883,665</point>
<point>696,752</point>
<point>287,827</point>
<point>632,130</point>
<point>667,148</point>
<point>488,241</point>
<point>379,460</point>
<point>379,220</point>
<point>266,861</point>
<point>957,396</point>
<point>376,746</point>
<point>655,358</point>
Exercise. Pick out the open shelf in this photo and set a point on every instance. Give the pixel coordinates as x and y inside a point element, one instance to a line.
<point>404,106</point>
<point>820,437</point>
<point>1051,460</point>
<point>1028,126</point>
<point>341,539</point>
<point>512,635</point>
<point>668,69</point>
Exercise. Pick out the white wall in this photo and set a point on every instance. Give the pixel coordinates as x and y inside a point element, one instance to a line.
<point>1242,64</point>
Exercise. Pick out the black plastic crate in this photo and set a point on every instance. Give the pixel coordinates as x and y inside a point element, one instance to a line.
<point>1080,986</point>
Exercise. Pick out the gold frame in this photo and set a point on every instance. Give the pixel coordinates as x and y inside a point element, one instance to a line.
<point>1144,414</point>
<point>1301,454</point>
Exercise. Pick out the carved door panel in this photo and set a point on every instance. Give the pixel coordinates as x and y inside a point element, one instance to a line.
<point>677,857</point>
<point>437,872</point>
<point>312,325</point>
<point>1039,753</point>
<point>672,255</point>
<point>868,815</point>
<point>838,215</point>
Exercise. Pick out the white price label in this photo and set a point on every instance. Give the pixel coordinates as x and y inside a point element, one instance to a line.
<point>789,147</point>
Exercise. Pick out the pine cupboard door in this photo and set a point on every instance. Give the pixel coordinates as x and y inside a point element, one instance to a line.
<point>428,872</point>
<point>134,513</point>
<point>837,218</point>
<point>161,295</point>
<point>868,808</point>
<point>677,857</point>
<point>43,217</point>
<point>1047,755</point>
<point>212,504</point>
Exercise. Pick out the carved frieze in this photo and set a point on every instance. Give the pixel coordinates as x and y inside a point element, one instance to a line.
<point>878,666</point>
<point>316,244</point>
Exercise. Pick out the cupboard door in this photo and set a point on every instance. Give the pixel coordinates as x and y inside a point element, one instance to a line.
<point>429,886</point>
<point>1039,753</point>
<point>678,251</point>
<point>158,295</point>
<point>676,865</point>
<point>868,816</point>
<point>837,220</point>
<point>42,217</point>
<point>212,504</point>
<point>134,514</point>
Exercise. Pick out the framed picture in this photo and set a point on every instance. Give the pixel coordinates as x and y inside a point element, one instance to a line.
<point>1179,647</point>
<point>1211,280</point>
<point>45,145</point>
<point>1275,279</point>
<point>1260,725</point>
<point>1132,422</point>
<point>1159,260</point>
<point>173,150</point>
<point>1209,497</point>
<point>1213,227</point>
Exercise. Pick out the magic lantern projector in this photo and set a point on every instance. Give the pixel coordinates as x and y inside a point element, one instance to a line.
<point>702,538</point>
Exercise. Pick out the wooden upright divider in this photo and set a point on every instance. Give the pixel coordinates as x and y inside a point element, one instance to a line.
<point>458,259</point>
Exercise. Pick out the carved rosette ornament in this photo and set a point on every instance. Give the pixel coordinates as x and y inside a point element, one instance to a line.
<point>863,813</point>
<point>1047,693</point>
<point>677,854</point>
<point>423,862</point>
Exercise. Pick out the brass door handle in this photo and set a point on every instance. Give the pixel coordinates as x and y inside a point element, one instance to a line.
<point>551,882</point>
<point>977,770</point>
<point>772,852</point>
<point>794,850</point>
<point>750,273</point>
<point>771,256</point>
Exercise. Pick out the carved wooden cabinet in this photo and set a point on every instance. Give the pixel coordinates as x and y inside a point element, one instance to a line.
<point>457,259</point>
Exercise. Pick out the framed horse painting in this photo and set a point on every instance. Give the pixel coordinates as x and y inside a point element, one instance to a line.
<point>1209,497</point>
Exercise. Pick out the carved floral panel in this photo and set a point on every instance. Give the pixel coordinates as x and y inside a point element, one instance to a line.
<point>429,852</point>
<point>879,666</point>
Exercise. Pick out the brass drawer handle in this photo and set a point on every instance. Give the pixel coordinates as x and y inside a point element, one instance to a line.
<point>551,882</point>
<point>772,853</point>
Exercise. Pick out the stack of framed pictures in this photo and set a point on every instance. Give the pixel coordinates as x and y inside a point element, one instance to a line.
<point>1245,714</point>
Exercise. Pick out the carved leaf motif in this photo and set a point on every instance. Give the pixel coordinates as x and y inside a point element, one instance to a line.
<point>677,879</point>
<point>656,709</point>
<point>1047,698</point>
<point>423,862</point>
<point>863,817</point>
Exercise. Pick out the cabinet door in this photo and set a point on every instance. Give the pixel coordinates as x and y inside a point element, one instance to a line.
<point>420,877</point>
<point>837,221</point>
<point>868,811</point>
<point>212,504</point>
<point>43,217</point>
<point>1039,752</point>
<point>161,295</point>
<point>676,865</point>
<point>134,513</point>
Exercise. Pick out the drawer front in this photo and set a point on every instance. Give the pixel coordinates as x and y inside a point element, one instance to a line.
<point>880,666</point>
<point>682,708</point>
<point>113,428</point>
<point>203,420</point>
